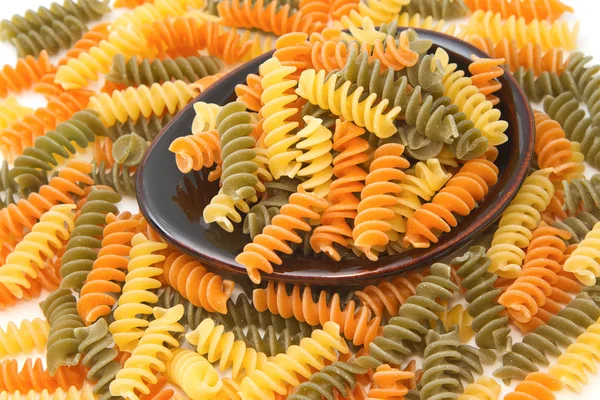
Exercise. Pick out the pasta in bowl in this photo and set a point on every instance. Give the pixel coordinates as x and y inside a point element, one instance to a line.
<point>341,158</point>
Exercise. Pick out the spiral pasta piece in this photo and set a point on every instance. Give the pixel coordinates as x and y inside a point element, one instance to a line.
<point>137,297</point>
<point>533,289</point>
<point>85,240</point>
<point>58,36</point>
<point>365,113</point>
<point>142,101</point>
<point>185,36</point>
<point>82,129</point>
<point>144,71</point>
<point>348,184</point>
<point>102,285</point>
<point>517,223</point>
<point>25,74</point>
<point>548,339</point>
<point>581,193</point>
<point>77,72</point>
<point>41,243</point>
<point>564,108</point>
<point>18,218</point>
<point>151,355</point>
<point>29,335</point>
<point>62,347</point>
<point>190,278</point>
<point>489,320</point>
<point>555,151</point>
<point>355,322</point>
<point>266,17</point>
<point>484,72</point>
<point>584,261</point>
<point>444,358</point>
<point>33,376</point>
<point>211,340</point>
<point>460,195</point>
<point>194,374</point>
<point>148,128</point>
<point>587,79</point>
<point>23,133</point>
<point>377,222</point>
<point>99,354</point>
<point>544,33</point>
<point>83,10</point>
<point>530,56</point>
<point>196,151</point>
<point>537,385</point>
<point>258,255</point>
<point>11,111</point>
<point>466,96</point>
<point>285,369</point>
<point>316,146</point>
<point>548,83</point>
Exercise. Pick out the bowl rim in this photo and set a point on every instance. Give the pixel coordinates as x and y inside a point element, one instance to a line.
<point>380,269</point>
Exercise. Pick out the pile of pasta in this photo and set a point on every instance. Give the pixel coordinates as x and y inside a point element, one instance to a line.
<point>355,139</point>
<point>414,142</point>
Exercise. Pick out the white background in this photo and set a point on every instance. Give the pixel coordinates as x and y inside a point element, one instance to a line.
<point>586,11</point>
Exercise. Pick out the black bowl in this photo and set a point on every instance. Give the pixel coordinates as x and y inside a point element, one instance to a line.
<point>173,202</point>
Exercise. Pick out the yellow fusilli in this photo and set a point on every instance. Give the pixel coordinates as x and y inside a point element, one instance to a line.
<point>517,224</point>
<point>142,100</point>
<point>212,341</point>
<point>277,115</point>
<point>11,111</point>
<point>584,262</point>
<point>28,336</point>
<point>194,375</point>
<point>137,296</point>
<point>367,113</point>
<point>150,355</point>
<point>317,146</point>
<point>285,369</point>
<point>41,243</point>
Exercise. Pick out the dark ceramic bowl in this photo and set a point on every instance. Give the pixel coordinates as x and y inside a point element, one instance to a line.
<point>173,202</point>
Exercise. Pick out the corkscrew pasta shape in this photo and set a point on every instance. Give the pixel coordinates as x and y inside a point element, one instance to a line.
<point>150,355</point>
<point>102,285</point>
<point>45,238</point>
<point>137,297</point>
<point>190,278</point>
<point>142,101</point>
<point>278,113</point>
<point>377,222</point>
<point>29,335</point>
<point>355,322</point>
<point>284,369</point>
<point>11,111</point>
<point>33,376</point>
<point>194,374</point>
<point>584,261</point>
<point>544,33</point>
<point>212,341</point>
<point>466,96</point>
<point>536,385</point>
<point>258,255</point>
<point>316,148</point>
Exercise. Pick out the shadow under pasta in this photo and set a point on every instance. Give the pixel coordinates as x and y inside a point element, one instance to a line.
<point>161,187</point>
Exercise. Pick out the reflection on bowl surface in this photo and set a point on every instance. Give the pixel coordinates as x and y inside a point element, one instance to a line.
<point>173,202</point>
